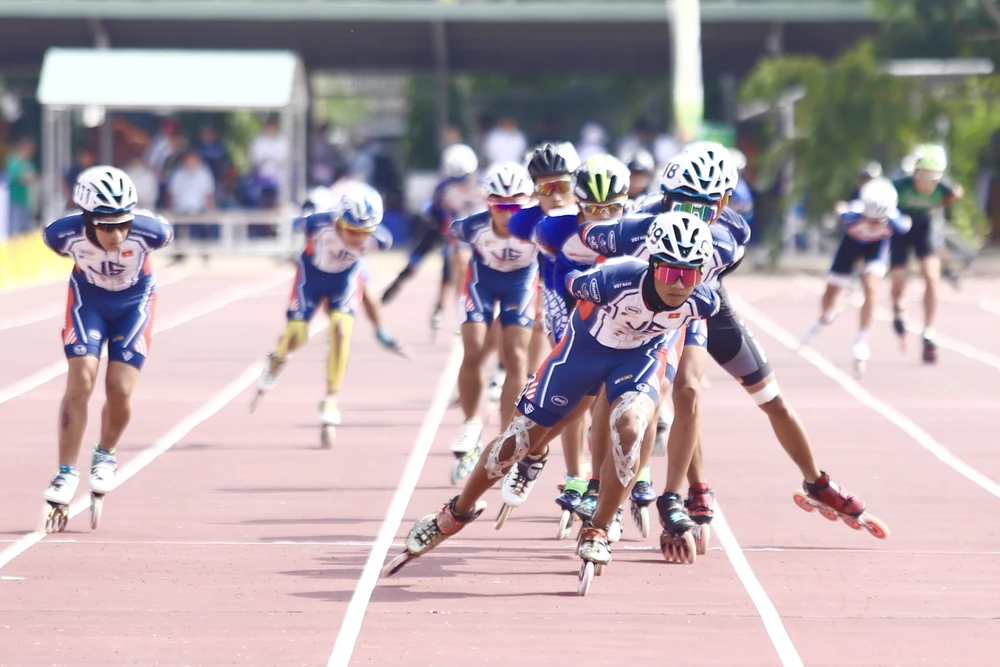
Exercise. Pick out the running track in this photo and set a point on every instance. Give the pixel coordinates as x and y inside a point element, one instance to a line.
<point>239,542</point>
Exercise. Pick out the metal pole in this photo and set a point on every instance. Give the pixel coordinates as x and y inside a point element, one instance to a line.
<point>50,185</point>
<point>689,89</point>
<point>441,77</point>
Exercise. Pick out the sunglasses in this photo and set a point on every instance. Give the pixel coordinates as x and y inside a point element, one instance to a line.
<point>352,231</point>
<point>108,227</point>
<point>506,207</point>
<point>606,209</point>
<point>704,211</point>
<point>553,188</point>
<point>689,276</point>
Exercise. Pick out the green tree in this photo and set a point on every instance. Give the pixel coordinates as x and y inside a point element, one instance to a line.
<point>852,112</point>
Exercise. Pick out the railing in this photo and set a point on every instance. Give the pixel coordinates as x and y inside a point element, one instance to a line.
<point>236,231</point>
<point>429,10</point>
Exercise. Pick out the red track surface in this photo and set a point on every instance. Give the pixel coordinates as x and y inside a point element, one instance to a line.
<point>245,542</point>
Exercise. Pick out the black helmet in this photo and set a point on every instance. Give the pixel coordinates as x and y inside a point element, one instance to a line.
<point>642,163</point>
<point>552,159</point>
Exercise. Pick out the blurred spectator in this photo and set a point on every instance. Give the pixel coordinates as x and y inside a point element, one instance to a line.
<point>191,188</point>
<point>212,152</point>
<point>639,139</point>
<point>85,159</point>
<point>505,142</point>
<point>23,178</point>
<point>593,140</point>
<point>452,135</point>
<point>665,147</point>
<point>147,185</point>
<point>269,155</point>
<point>162,146</point>
<point>322,157</point>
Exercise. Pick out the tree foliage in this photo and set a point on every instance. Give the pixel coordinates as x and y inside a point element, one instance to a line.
<point>851,113</point>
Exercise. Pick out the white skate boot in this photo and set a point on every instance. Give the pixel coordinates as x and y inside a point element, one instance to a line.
<point>517,485</point>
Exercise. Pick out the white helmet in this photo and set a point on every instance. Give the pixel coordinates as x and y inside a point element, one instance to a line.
<point>360,207</point>
<point>459,161</point>
<point>679,238</point>
<point>107,192</point>
<point>508,179</point>
<point>880,199</point>
<point>702,170</point>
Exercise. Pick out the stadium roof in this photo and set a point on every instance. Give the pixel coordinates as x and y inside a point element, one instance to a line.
<point>172,79</point>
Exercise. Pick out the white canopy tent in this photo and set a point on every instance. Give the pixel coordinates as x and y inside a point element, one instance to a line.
<point>93,81</point>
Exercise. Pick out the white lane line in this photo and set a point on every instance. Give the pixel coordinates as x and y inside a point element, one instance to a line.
<point>947,342</point>
<point>865,397</point>
<point>772,620</point>
<point>343,648</point>
<point>42,314</point>
<point>220,400</point>
<point>206,307</point>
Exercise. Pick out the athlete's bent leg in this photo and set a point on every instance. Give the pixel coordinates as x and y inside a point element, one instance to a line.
<point>930,268</point>
<point>685,432</point>
<point>631,416</point>
<point>787,426</point>
<point>119,386</point>
<point>80,379</point>
<point>515,358</point>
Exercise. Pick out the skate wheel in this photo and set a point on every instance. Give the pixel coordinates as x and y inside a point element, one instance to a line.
<point>599,569</point>
<point>703,534</point>
<point>644,521</point>
<point>96,507</point>
<point>678,549</point>
<point>829,515</point>
<point>803,501</point>
<point>852,522</point>
<point>397,563</point>
<point>876,527</point>
<point>502,517</point>
<point>859,369</point>
<point>329,433</point>
<point>565,525</point>
<point>456,472</point>
<point>56,518</point>
<point>256,401</point>
<point>586,578</point>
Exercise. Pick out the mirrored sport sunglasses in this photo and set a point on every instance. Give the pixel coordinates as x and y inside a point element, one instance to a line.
<point>550,188</point>
<point>509,207</point>
<point>704,211</point>
<point>609,209</point>
<point>690,276</point>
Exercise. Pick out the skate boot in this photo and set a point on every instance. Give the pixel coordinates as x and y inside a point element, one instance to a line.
<point>640,498</point>
<point>617,527</point>
<point>431,531</point>
<point>329,420</point>
<point>103,467</point>
<point>59,495</point>
<point>517,485</point>
<point>595,552</point>
<point>676,540</point>
<point>268,378</point>
<point>899,327</point>
<point>833,503</point>
<point>585,510</point>
<point>930,350</point>
<point>570,498</point>
<point>700,505</point>
<point>466,448</point>
<point>862,353</point>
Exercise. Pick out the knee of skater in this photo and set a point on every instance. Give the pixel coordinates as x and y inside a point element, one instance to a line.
<point>80,389</point>
<point>630,430</point>
<point>686,397</point>
<point>117,394</point>
<point>775,407</point>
